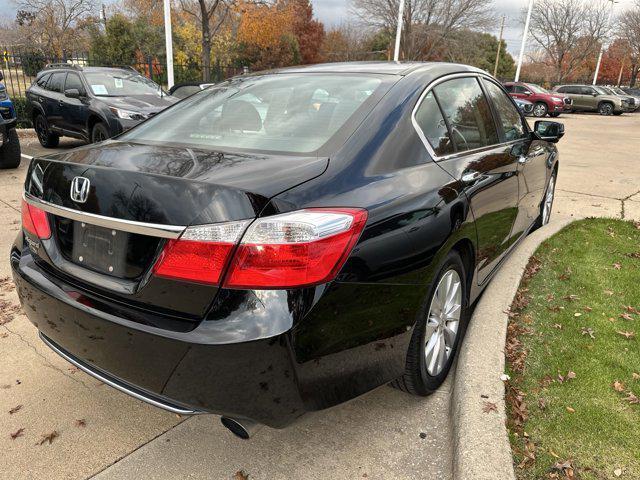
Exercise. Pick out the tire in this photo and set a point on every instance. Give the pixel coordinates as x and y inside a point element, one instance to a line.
<point>45,137</point>
<point>546,206</point>
<point>99,133</point>
<point>605,108</point>
<point>540,109</point>
<point>423,375</point>
<point>10,151</point>
<point>554,114</point>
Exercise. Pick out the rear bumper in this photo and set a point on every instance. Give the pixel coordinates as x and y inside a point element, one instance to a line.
<point>180,372</point>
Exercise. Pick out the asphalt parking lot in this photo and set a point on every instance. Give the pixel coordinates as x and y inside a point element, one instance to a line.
<point>104,434</point>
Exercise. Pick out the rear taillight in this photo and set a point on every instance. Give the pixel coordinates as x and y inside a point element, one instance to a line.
<point>201,253</point>
<point>297,249</point>
<point>35,221</point>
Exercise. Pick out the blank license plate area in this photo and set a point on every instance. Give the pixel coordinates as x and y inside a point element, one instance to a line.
<point>101,249</point>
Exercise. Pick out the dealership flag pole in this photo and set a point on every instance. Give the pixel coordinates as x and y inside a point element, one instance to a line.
<point>595,75</point>
<point>396,53</point>
<point>168,42</point>
<point>524,40</point>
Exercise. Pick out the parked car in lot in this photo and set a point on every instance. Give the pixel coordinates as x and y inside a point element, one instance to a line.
<point>544,101</point>
<point>9,141</point>
<point>634,101</point>
<point>284,241</point>
<point>183,90</point>
<point>525,106</point>
<point>631,91</point>
<point>589,98</point>
<point>91,103</point>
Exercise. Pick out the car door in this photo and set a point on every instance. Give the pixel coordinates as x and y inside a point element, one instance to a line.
<point>574,94</point>
<point>471,151</point>
<point>531,156</point>
<point>589,98</point>
<point>54,100</point>
<point>74,112</point>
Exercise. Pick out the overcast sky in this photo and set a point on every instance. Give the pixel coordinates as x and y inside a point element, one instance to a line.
<point>334,12</point>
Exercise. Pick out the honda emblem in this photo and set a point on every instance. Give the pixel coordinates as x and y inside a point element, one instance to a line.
<point>80,189</point>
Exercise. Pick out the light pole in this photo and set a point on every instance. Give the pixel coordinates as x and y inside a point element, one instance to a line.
<point>595,75</point>
<point>524,40</point>
<point>396,52</point>
<point>168,42</point>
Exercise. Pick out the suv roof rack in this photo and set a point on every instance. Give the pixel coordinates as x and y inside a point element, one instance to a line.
<point>62,65</point>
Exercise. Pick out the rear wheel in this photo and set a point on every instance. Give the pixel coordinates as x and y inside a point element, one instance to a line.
<point>540,109</point>
<point>45,137</point>
<point>10,151</point>
<point>605,108</point>
<point>437,333</point>
<point>99,133</point>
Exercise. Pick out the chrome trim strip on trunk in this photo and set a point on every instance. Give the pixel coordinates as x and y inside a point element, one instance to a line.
<point>141,228</point>
<point>116,385</point>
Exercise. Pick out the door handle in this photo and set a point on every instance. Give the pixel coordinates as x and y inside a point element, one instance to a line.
<point>470,177</point>
<point>523,159</point>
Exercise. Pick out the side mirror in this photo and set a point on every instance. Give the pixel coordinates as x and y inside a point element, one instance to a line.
<point>549,131</point>
<point>72,93</point>
<point>595,94</point>
<point>528,93</point>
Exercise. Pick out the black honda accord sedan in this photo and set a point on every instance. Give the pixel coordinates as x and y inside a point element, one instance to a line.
<point>286,241</point>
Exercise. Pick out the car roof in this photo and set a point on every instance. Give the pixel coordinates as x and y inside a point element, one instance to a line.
<point>380,68</point>
<point>77,68</point>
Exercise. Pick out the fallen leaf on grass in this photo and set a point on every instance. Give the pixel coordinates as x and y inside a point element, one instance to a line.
<point>570,376</point>
<point>631,309</point>
<point>617,266</point>
<point>577,314</point>
<point>488,407</point>
<point>609,292</point>
<point>564,467</point>
<point>81,423</point>
<point>588,331</point>
<point>558,326</point>
<point>617,472</point>
<point>627,335</point>
<point>16,434</point>
<point>632,399</point>
<point>570,298</point>
<point>240,475</point>
<point>626,316</point>
<point>48,438</point>
<point>571,410</point>
<point>15,409</point>
<point>635,376</point>
<point>542,403</point>
<point>618,386</point>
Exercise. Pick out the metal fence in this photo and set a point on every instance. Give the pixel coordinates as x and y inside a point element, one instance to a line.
<point>20,67</point>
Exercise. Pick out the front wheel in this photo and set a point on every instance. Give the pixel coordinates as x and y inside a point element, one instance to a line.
<point>546,205</point>
<point>99,133</point>
<point>45,137</point>
<point>605,109</point>
<point>437,332</point>
<point>540,109</point>
<point>10,151</point>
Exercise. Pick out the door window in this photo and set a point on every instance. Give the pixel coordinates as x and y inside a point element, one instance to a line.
<point>42,81</point>
<point>587,91</point>
<point>73,81</point>
<point>56,83</point>
<point>467,112</point>
<point>431,122</point>
<point>521,89</point>
<point>510,118</point>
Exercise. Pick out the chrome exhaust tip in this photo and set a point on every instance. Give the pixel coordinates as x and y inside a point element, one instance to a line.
<point>241,428</point>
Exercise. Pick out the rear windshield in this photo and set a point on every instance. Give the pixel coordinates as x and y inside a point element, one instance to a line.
<point>106,84</point>
<point>295,113</point>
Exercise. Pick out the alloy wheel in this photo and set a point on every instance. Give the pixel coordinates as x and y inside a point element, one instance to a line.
<point>548,200</point>
<point>442,322</point>
<point>41,130</point>
<point>606,109</point>
<point>539,110</point>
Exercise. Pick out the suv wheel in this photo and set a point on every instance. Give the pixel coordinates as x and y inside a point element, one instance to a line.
<point>540,109</point>
<point>99,133</point>
<point>438,331</point>
<point>10,151</point>
<point>46,138</point>
<point>605,108</point>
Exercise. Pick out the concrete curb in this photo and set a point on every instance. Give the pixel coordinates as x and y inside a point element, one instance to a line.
<point>480,440</point>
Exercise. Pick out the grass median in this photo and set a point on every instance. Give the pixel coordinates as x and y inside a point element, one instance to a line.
<point>573,356</point>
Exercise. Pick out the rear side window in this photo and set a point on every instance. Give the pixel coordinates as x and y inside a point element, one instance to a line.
<point>510,118</point>
<point>431,122</point>
<point>509,88</point>
<point>56,83</point>
<point>521,89</point>
<point>467,111</point>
